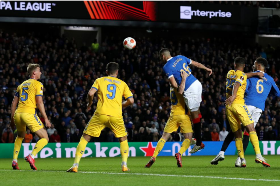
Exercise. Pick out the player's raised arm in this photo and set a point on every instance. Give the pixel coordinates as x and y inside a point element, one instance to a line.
<point>173,82</point>
<point>13,108</point>
<point>183,82</point>
<point>254,74</point>
<point>199,65</point>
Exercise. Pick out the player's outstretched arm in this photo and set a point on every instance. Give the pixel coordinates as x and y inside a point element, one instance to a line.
<point>254,74</point>
<point>91,93</point>
<point>234,93</point>
<point>41,107</point>
<point>183,82</point>
<point>13,109</point>
<point>128,102</point>
<point>199,65</point>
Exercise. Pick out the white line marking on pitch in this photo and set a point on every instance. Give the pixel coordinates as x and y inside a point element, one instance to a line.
<point>160,175</point>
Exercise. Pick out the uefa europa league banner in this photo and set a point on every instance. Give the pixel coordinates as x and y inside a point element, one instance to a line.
<point>112,149</point>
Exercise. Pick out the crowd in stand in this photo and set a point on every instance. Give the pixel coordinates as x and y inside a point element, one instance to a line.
<point>69,71</point>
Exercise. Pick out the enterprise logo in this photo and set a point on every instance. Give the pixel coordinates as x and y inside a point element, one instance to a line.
<point>186,12</point>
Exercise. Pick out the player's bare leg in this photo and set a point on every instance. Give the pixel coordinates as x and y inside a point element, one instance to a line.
<point>255,142</point>
<point>17,145</point>
<point>160,145</point>
<point>185,145</point>
<point>44,139</point>
<point>124,153</point>
<point>79,152</point>
<point>196,116</point>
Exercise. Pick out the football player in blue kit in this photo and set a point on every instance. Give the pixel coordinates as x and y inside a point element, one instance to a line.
<point>193,88</point>
<point>256,93</point>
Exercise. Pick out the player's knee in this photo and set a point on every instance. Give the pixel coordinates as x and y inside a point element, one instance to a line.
<point>121,139</point>
<point>165,136</point>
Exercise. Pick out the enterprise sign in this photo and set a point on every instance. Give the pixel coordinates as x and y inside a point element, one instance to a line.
<point>186,12</point>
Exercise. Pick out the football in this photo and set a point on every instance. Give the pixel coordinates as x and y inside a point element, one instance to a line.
<point>129,43</point>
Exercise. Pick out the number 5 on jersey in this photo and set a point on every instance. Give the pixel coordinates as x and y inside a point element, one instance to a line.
<point>24,95</point>
<point>111,89</point>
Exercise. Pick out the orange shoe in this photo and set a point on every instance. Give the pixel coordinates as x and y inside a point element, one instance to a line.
<point>262,161</point>
<point>151,162</point>
<point>125,168</point>
<point>31,162</point>
<point>73,169</point>
<point>178,157</point>
<point>15,165</point>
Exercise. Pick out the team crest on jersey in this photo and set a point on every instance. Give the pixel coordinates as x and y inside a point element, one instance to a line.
<point>241,78</point>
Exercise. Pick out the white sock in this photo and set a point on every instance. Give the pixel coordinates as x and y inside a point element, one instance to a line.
<point>258,155</point>
<point>15,160</point>
<point>75,165</point>
<point>124,164</point>
<point>222,152</point>
<point>32,156</point>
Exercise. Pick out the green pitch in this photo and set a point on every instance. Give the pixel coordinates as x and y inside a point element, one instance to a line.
<point>196,171</point>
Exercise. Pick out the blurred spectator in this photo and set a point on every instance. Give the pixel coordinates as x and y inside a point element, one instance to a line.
<point>28,136</point>
<point>67,136</point>
<point>206,135</point>
<point>8,136</point>
<point>73,127</point>
<point>223,134</point>
<point>35,138</point>
<point>214,125</point>
<point>66,119</point>
<point>55,138</point>
<point>214,135</point>
<point>270,134</point>
<point>153,129</point>
<point>51,130</point>
<point>76,136</point>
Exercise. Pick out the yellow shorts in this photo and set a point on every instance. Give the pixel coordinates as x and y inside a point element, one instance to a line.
<point>237,114</point>
<point>32,121</point>
<point>182,121</point>
<point>98,122</point>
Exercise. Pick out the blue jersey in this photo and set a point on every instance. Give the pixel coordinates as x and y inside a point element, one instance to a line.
<point>174,66</point>
<point>258,89</point>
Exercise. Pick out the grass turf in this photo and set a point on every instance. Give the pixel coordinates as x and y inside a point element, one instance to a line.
<point>107,171</point>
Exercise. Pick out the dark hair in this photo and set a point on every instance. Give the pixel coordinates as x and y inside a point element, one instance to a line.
<point>262,62</point>
<point>163,50</point>
<point>239,61</point>
<point>112,67</point>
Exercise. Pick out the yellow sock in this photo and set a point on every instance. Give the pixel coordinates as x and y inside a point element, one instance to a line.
<point>255,142</point>
<point>159,147</point>
<point>17,146</point>
<point>124,151</point>
<point>80,150</point>
<point>39,145</point>
<point>239,146</point>
<point>185,145</point>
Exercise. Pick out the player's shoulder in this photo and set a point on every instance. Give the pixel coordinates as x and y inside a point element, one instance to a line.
<point>240,73</point>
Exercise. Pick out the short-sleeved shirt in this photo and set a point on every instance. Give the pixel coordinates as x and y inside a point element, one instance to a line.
<point>258,89</point>
<point>27,93</point>
<point>110,92</point>
<point>240,77</point>
<point>175,65</point>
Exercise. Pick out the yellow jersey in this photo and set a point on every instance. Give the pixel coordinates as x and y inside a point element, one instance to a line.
<point>110,91</point>
<point>27,93</point>
<point>178,106</point>
<point>236,76</point>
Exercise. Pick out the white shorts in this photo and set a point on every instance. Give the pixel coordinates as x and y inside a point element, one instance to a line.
<point>192,96</point>
<point>255,113</point>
